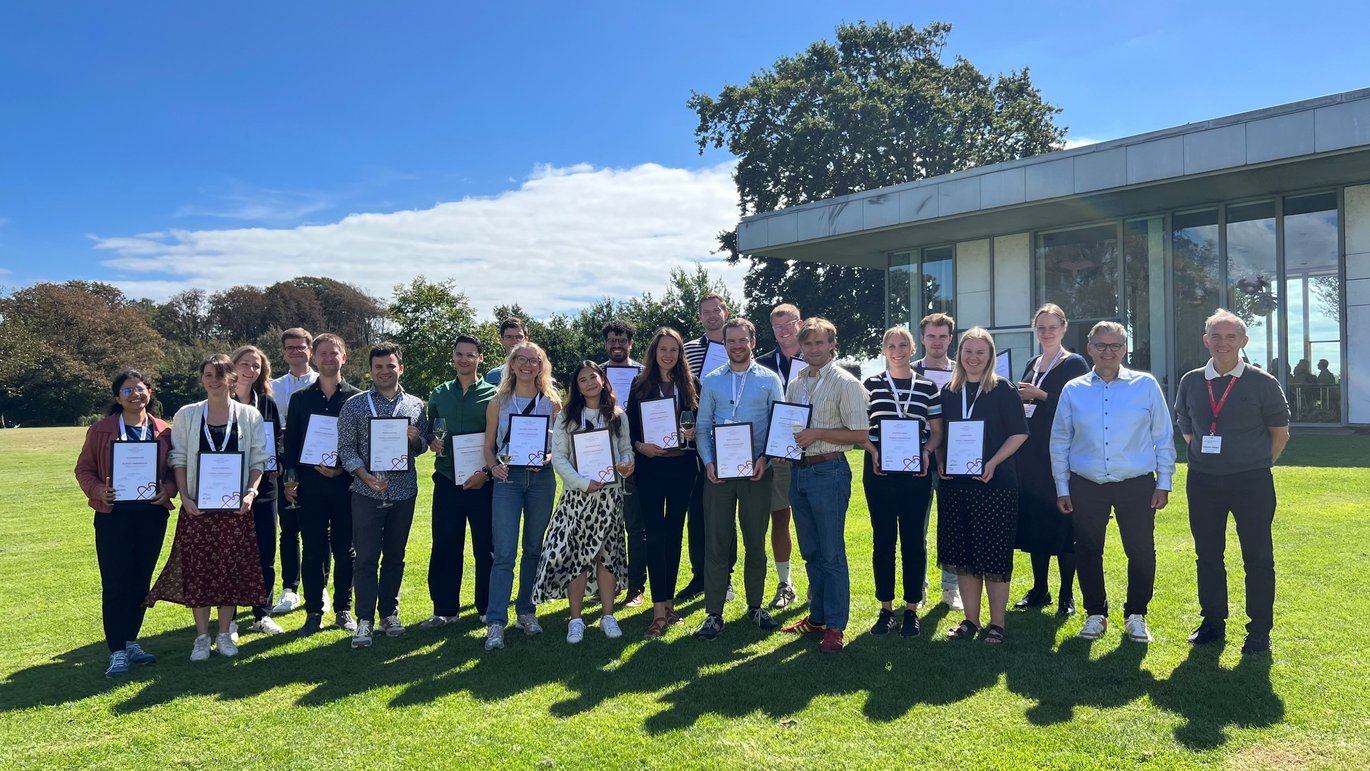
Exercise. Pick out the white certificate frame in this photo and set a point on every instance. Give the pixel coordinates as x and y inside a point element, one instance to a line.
<point>592,452</point>
<point>779,434</point>
<point>733,451</point>
<point>939,377</point>
<point>715,356</point>
<point>528,451</point>
<point>657,429</point>
<point>1003,367</point>
<point>468,454</point>
<point>269,430</point>
<point>134,476</point>
<point>797,365</point>
<point>320,446</point>
<point>219,481</point>
<point>616,373</point>
<point>897,438</point>
<point>388,445</point>
<point>965,448</point>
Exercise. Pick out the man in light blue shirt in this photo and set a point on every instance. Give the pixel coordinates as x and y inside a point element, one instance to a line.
<point>1113,449</point>
<point>741,392</point>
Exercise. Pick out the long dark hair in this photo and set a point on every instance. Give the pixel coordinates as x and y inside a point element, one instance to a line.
<point>648,384</point>
<point>122,377</point>
<point>575,402</point>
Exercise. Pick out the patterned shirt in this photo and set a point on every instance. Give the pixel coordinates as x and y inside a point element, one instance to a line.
<point>354,439</point>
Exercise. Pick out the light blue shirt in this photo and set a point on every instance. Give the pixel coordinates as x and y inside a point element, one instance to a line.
<point>495,375</point>
<point>755,389</point>
<point>1108,432</point>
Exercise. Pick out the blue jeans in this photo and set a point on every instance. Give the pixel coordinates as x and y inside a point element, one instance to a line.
<point>818,497</point>
<point>525,497</point>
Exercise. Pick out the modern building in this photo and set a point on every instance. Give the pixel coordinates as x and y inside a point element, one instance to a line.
<point>1265,213</point>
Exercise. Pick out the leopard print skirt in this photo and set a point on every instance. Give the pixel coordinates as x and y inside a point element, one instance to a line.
<point>583,527</point>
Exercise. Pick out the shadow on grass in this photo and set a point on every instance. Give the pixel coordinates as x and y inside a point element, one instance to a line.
<point>1211,698</point>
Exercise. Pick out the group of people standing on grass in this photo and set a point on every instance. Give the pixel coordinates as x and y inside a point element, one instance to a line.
<point>1060,453</point>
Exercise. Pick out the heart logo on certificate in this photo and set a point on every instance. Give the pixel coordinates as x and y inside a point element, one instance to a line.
<point>329,459</point>
<point>399,464</point>
<point>670,440</point>
<point>913,464</point>
<point>537,458</point>
<point>744,468</point>
<point>231,501</point>
<point>975,466</point>
<point>607,475</point>
<point>147,492</point>
<point>791,451</point>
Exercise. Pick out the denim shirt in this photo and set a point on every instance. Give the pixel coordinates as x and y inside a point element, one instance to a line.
<point>762,387</point>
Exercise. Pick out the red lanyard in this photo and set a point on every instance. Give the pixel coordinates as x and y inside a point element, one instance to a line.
<point>1218,405</point>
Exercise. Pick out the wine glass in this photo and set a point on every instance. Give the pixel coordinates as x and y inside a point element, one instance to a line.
<point>292,484</point>
<point>440,432</point>
<point>505,456</point>
<point>384,480</point>
<point>687,422</point>
<point>624,469</point>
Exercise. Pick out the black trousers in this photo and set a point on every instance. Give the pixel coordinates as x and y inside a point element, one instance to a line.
<point>264,519</point>
<point>127,543</point>
<point>898,504</point>
<point>1250,498</point>
<point>699,529</point>
<point>637,535</point>
<point>453,508</point>
<point>1130,502</point>
<point>664,488</point>
<point>381,536</point>
<point>325,519</point>
<point>290,545</point>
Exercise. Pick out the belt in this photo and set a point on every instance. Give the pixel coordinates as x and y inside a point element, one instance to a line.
<point>814,460</point>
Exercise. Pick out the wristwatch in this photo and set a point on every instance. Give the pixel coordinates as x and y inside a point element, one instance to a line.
<point>485,470</point>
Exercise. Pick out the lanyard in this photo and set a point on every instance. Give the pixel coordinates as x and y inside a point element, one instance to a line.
<point>526,409</point>
<point>806,379</point>
<point>738,390</point>
<point>1218,405</point>
<point>902,409</point>
<point>1037,381</point>
<point>674,394</point>
<point>143,429</point>
<point>967,412</point>
<point>372,404</point>
<point>595,419</point>
<point>228,429</point>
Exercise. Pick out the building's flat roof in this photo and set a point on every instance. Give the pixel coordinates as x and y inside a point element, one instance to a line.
<point>1297,139</point>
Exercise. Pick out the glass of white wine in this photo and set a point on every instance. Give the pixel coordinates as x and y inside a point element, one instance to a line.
<point>384,480</point>
<point>440,433</point>
<point>687,422</point>
<point>291,480</point>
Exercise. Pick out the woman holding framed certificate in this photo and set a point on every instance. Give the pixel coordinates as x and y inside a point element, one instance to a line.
<point>977,502</point>
<point>218,454</point>
<point>666,465</point>
<point>124,473</point>
<point>906,421</point>
<point>253,387</point>
<point>518,425</point>
<point>584,548</point>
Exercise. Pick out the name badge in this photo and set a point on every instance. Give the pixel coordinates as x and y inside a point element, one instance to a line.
<point>1212,445</point>
<point>1029,409</point>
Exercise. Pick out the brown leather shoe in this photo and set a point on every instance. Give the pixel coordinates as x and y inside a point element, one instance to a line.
<point>656,629</point>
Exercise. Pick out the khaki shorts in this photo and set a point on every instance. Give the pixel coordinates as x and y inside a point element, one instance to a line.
<point>780,486</point>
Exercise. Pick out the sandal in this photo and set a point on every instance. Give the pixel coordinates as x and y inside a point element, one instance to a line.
<point>656,629</point>
<point>993,634</point>
<point>965,630</point>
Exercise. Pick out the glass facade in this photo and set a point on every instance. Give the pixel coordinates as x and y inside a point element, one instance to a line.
<point>920,282</point>
<point>1197,269</point>
<point>1312,284</point>
<point>1252,279</point>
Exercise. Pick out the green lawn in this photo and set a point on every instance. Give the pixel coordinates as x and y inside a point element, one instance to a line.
<point>436,699</point>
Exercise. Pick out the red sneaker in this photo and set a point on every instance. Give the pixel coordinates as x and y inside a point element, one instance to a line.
<point>832,641</point>
<point>804,626</point>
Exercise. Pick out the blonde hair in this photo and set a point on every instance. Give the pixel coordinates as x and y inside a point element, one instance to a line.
<point>818,324</point>
<point>900,332</point>
<point>263,384</point>
<point>1051,309</point>
<point>958,373</point>
<point>543,381</point>
<point>786,309</point>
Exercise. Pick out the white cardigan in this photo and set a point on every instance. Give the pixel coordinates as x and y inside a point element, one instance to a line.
<point>185,442</point>
<point>561,449</point>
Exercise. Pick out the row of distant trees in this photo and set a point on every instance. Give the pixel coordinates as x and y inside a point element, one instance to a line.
<point>60,343</point>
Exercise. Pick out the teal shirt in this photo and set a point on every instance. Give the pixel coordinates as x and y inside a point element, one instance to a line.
<point>464,412</point>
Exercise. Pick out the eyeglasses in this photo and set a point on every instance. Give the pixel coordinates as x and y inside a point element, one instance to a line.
<point>132,391</point>
<point>1110,347</point>
<point>533,360</point>
<point>297,348</point>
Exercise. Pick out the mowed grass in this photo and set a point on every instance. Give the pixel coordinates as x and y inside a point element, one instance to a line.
<point>435,699</point>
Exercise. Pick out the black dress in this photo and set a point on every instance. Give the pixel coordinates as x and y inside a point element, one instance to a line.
<point>1042,528</point>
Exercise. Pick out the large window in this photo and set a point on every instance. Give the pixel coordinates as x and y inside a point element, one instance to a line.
<point>1197,283</point>
<point>921,282</point>
<point>1078,270</point>
<point>1313,288</point>
<point>1144,295</point>
<point>1253,279</point>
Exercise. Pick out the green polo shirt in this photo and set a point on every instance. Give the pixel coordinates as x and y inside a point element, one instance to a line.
<point>464,412</point>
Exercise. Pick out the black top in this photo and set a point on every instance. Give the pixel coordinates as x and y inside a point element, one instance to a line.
<point>311,401</point>
<point>1255,405</point>
<point>1071,366</point>
<point>1002,411</point>
<point>266,489</point>
<point>777,362</point>
<point>635,419</point>
<point>923,404</point>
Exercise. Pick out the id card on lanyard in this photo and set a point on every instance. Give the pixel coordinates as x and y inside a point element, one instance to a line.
<point>1213,444</point>
<point>1031,409</point>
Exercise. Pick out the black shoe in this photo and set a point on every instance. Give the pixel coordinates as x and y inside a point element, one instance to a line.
<point>884,624</point>
<point>1211,633</point>
<point>1256,643</point>
<point>711,628</point>
<point>692,590</point>
<point>762,619</point>
<point>911,628</point>
<point>1065,608</point>
<point>313,622</point>
<point>1033,599</point>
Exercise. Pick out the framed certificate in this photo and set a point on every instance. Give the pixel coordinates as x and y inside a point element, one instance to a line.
<point>965,448</point>
<point>797,365</point>
<point>621,377</point>
<point>901,445</point>
<point>939,377</point>
<point>787,419</point>
<point>269,429</point>
<point>527,440</point>
<point>219,481</point>
<point>133,472</point>
<point>468,454</point>
<point>593,454</point>
<point>715,356</point>
<point>389,445</point>
<point>1003,367</point>
<point>320,447</point>
<point>660,421</point>
<point>733,458</point>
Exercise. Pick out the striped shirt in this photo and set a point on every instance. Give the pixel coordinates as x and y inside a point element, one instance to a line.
<point>694,355</point>
<point>838,401</point>
<point>917,395</point>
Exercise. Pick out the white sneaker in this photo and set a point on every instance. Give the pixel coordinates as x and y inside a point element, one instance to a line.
<point>528,622</point>
<point>494,637</point>
<point>200,652</point>
<point>267,626</point>
<point>233,631</point>
<point>1094,628</point>
<point>952,599</point>
<point>610,626</point>
<point>391,626</point>
<point>575,631</point>
<point>362,637</point>
<point>1134,626</point>
<point>327,601</point>
<point>433,622</point>
<point>227,648</point>
<point>290,600</point>
<point>483,622</point>
<point>730,595</point>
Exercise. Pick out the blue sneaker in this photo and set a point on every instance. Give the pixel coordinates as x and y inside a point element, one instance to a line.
<point>118,664</point>
<point>138,656</point>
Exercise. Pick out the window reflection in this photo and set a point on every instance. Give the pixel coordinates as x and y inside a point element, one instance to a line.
<point>938,283</point>
<point>1078,270</point>
<point>1198,291</point>
<point>1252,283</point>
<point>1313,288</point>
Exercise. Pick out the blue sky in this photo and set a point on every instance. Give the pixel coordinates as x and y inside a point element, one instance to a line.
<point>162,145</point>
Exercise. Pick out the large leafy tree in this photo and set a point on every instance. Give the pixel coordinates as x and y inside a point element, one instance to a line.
<point>880,106</point>
<point>426,317</point>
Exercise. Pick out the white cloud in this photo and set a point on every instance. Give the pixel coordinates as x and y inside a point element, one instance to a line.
<point>1074,142</point>
<point>259,205</point>
<point>564,236</point>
